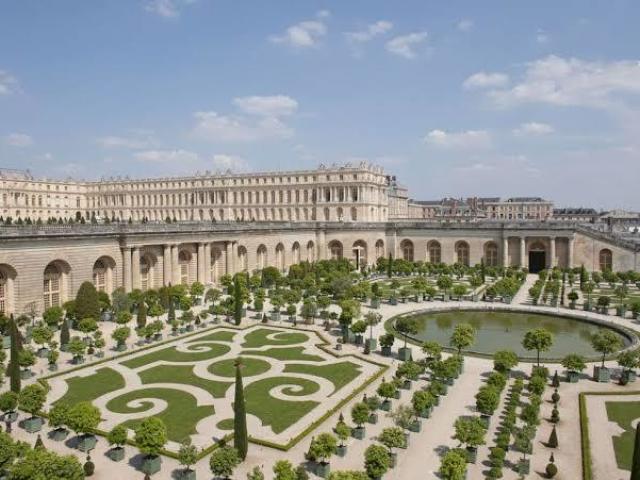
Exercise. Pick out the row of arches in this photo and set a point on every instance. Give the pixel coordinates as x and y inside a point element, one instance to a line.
<point>461,249</point>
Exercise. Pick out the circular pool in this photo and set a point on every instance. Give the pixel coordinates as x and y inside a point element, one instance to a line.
<point>505,329</point>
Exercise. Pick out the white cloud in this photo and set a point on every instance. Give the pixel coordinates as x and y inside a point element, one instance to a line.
<point>486,80</point>
<point>268,106</point>
<point>230,162</point>
<point>167,156</point>
<point>166,8</point>
<point>404,45</point>
<point>469,139</point>
<point>572,82</point>
<point>8,83</point>
<point>212,126</point>
<point>542,37</point>
<point>305,34</point>
<point>130,142</point>
<point>533,128</point>
<point>465,25</point>
<point>19,140</point>
<point>370,32</point>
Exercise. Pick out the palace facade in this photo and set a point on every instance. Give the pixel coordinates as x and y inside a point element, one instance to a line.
<point>348,212</point>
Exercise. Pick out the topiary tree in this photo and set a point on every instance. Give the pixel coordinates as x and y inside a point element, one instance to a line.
<point>141,318</point>
<point>504,360</point>
<point>463,336</point>
<point>151,436</point>
<point>342,431</point>
<point>453,465</point>
<point>65,335</point>
<point>574,362</point>
<point>406,326</point>
<point>538,339</point>
<point>323,447</point>
<point>240,437</point>
<point>606,342</point>
<point>470,431</point>
<point>31,399</point>
<point>360,414</point>
<point>376,461</point>
<point>87,303</point>
<point>255,474</point>
<point>283,470</point>
<point>392,437</point>
<point>553,438</point>
<point>120,335</point>
<point>432,349</point>
<point>487,400</point>
<point>223,461</point>
<point>117,436</point>
<point>83,418</point>
<point>40,463</point>
<point>59,416</point>
<point>187,454</point>
<point>53,315</point>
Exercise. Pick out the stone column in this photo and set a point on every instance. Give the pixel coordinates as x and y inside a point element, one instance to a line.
<point>201,263</point>
<point>166,265</point>
<point>523,252</point>
<point>552,252</point>
<point>207,262</point>
<point>126,262</point>
<point>321,246</point>
<point>505,252</point>
<point>135,268</point>
<point>175,265</point>
<point>234,256</point>
<point>229,257</point>
<point>570,254</point>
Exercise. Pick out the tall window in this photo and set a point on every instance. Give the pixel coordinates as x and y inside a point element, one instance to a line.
<point>280,257</point>
<point>242,259</point>
<point>407,250</point>
<point>100,276</point>
<point>435,252</point>
<point>262,257</point>
<point>379,249</point>
<point>145,277</point>
<point>491,255</point>
<point>52,281</point>
<point>3,293</point>
<point>296,253</point>
<point>335,250</point>
<point>183,260</point>
<point>311,251</point>
<point>462,253</point>
<point>606,260</point>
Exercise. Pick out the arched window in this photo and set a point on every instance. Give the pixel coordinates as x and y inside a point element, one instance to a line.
<point>3,293</point>
<point>52,286</point>
<point>462,253</point>
<point>606,260</point>
<point>100,276</point>
<point>184,258</point>
<point>354,214</point>
<point>435,251</point>
<point>335,250</point>
<point>280,257</point>
<point>216,263</point>
<point>295,250</point>
<point>406,247</point>
<point>311,251</point>
<point>262,257</point>
<point>491,254</point>
<point>379,249</point>
<point>145,274</point>
<point>242,259</point>
<point>360,253</point>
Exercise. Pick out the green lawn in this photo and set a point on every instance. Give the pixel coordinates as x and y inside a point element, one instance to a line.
<point>181,415</point>
<point>291,353</point>
<point>84,389</point>
<point>258,338</point>
<point>170,354</point>
<point>183,374</point>
<point>340,374</point>
<point>250,367</point>
<point>623,413</point>
<point>279,414</point>
<point>218,336</point>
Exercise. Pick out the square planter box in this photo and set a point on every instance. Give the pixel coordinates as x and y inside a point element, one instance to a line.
<point>59,434</point>
<point>573,377</point>
<point>416,426</point>
<point>99,354</point>
<point>586,307</point>
<point>386,351</point>
<point>77,360</point>
<point>426,413</point>
<point>371,344</point>
<point>397,394</point>
<point>275,317</point>
<point>33,424</point>
<point>359,340</point>
<point>385,406</point>
<point>53,367</point>
<point>406,385</point>
<point>472,455</point>
<point>373,418</point>
<point>358,433</point>
<point>116,454</point>
<point>323,470</point>
<point>25,374</point>
<point>10,417</point>
<point>601,374</point>
<point>393,457</point>
<point>157,337</point>
<point>524,467</point>
<point>342,451</point>
<point>629,376</point>
<point>375,303</point>
<point>404,354</point>
<point>87,443</point>
<point>121,347</point>
<point>42,352</point>
<point>151,464</point>
<point>621,311</point>
<point>190,328</point>
<point>393,301</point>
<point>187,475</point>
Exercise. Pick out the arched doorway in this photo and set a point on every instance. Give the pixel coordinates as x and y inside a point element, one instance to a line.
<point>537,257</point>
<point>360,254</point>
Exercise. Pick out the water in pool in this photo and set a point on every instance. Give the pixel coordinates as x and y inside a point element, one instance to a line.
<point>505,330</point>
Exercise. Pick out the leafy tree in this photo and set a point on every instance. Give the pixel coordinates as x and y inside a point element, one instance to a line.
<point>463,336</point>
<point>406,326</point>
<point>360,413</point>
<point>121,334</point>
<point>59,415</point>
<point>376,461</point>
<point>386,389</point>
<point>444,283</point>
<point>504,360</point>
<point>8,401</point>
<point>41,334</point>
<point>151,436</point>
<point>487,400</point>
<point>392,437</point>
<point>470,431</point>
<point>283,470</point>
<point>538,339</point>
<point>223,461</point>
<point>240,437</point>
<point>628,360</point>
<point>87,304</point>
<point>77,347</point>
<point>606,342</point>
<point>348,475</point>
<point>404,416</point>
<point>44,464</point>
<point>188,453</point>
<point>574,362</point>
<point>83,418</point>
<point>87,325</point>
<point>342,431</point>
<point>117,436</point>
<point>453,465</point>
<point>53,315</point>
<point>372,319</point>
<point>433,349</point>
<point>31,398</point>
<point>323,447</point>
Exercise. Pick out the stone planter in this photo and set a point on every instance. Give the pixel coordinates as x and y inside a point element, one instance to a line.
<point>406,385</point>
<point>359,339</point>
<point>573,377</point>
<point>404,354</point>
<point>524,466</point>
<point>386,351</point>
<point>397,394</point>
<point>157,337</point>
<point>87,442</point>
<point>42,352</point>
<point>323,469</point>
<point>586,307</point>
<point>358,433</point>
<point>373,418</point>
<point>99,354</point>
<point>10,417</point>
<point>77,360</point>
<point>371,344</point>
<point>393,459</point>
<point>393,301</point>
<point>416,426</point>
<point>33,424</point>
<point>621,311</point>
<point>446,297</point>
<point>121,347</point>
<point>628,376</point>
<point>375,303</point>
<point>53,367</point>
<point>6,342</point>
<point>341,451</point>
<point>601,374</point>
<point>385,406</point>
<point>187,474</point>
<point>26,374</point>
<point>275,316</point>
<point>116,454</point>
<point>59,434</point>
<point>190,327</point>
<point>151,464</point>
<point>472,454</point>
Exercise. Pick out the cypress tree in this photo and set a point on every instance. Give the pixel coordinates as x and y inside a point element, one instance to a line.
<point>14,366</point>
<point>64,333</point>
<point>555,382</point>
<point>635,465</point>
<point>553,439</point>
<point>38,443</point>
<point>237,301</point>
<point>390,266</point>
<point>141,319</point>
<point>87,303</point>
<point>171,316</point>
<point>240,437</point>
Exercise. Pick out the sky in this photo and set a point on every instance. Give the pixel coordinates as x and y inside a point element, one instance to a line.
<point>465,98</point>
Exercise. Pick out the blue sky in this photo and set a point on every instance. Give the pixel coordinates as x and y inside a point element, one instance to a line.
<point>455,98</point>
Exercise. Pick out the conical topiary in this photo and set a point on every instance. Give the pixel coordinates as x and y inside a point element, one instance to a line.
<point>240,437</point>
<point>555,397</point>
<point>553,439</point>
<point>555,382</point>
<point>38,443</point>
<point>141,319</point>
<point>64,333</point>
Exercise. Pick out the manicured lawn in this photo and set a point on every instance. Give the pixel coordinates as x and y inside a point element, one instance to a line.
<point>183,374</point>
<point>623,413</point>
<point>181,415</point>
<point>339,374</point>
<point>218,336</point>
<point>84,389</point>
<point>259,338</point>
<point>250,367</point>
<point>291,353</point>
<point>170,354</point>
<point>279,414</point>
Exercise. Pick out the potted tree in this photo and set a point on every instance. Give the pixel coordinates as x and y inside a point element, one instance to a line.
<point>342,431</point>
<point>605,342</point>
<point>359,415</point>
<point>423,402</point>
<point>83,420</point>
<point>322,448</point>
<point>444,283</point>
<point>628,360</point>
<point>392,437</point>
<point>453,465</point>
<point>433,350</point>
<point>574,364</point>
<point>8,405</point>
<point>373,402</point>
<point>58,419</point>
<point>117,437</point>
<point>358,328</point>
<point>405,417</point>
<point>470,431</point>
<point>52,359</point>
<point>386,390</point>
<point>504,361</point>
<point>150,438</point>
<point>41,335</point>
<point>223,461</point>
<point>26,359</point>
<point>120,335</point>
<point>31,400</point>
<point>376,461</point>
<point>386,342</point>
<point>406,326</point>
<point>523,438</point>
<point>573,298</point>
<point>371,319</point>
<point>463,336</point>
<point>77,347</point>
<point>187,456</point>
<point>603,304</point>
<point>487,400</point>
<point>408,372</point>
